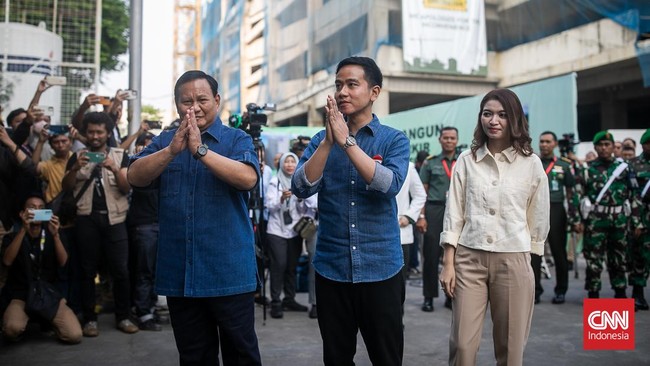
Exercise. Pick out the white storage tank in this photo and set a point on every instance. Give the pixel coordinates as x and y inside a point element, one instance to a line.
<point>27,54</point>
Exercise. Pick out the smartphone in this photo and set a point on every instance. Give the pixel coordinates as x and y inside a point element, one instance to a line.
<point>56,80</point>
<point>130,94</point>
<point>42,215</point>
<point>95,157</point>
<point>47,110</point>
<point>104,100</point>
<point>58,129</point>
<point>154,125</point>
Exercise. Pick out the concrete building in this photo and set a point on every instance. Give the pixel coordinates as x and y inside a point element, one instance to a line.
<point>288,51</point>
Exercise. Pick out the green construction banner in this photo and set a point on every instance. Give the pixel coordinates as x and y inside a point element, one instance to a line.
<point>549,104</point>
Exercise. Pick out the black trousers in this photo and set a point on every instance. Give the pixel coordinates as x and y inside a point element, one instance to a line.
<point>202,324</point>
<point>557,238</point>
<point>374,308</point>
<point>431,250</point>
<point>96,237</point>
<point>283,255</point>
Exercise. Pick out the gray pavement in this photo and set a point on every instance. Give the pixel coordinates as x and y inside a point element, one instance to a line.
<point>555,339</point>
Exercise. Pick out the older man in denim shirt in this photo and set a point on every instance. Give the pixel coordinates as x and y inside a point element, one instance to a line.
<point>357,167</point>
<point>206,259</point>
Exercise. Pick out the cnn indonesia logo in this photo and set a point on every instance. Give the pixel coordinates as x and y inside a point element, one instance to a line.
<point>608,324</point>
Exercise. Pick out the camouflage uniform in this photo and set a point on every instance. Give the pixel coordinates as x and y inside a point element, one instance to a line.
<point>606,225</point>
<point>639,260</point>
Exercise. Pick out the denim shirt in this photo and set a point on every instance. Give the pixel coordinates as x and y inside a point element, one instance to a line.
<point>358,234</point>
<point>206,243</point>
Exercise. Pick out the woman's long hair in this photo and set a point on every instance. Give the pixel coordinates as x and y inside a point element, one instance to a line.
<point>517,124</point>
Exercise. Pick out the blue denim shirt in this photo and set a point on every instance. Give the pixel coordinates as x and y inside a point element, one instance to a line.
<point>358,234</point>
<point>206,243</point>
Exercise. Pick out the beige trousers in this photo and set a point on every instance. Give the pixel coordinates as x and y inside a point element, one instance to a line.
<point>505,281</point>
<point>66,325</point>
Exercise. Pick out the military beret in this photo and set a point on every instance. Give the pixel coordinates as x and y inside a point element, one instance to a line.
<point>603,135</point>
<point>645,137</point>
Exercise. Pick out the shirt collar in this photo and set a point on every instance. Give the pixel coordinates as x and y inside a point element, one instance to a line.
<point>372,126</point>
<point>215,130</point>
<point>510,153</point>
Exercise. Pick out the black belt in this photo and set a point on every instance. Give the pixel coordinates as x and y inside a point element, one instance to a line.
<point>436,203</point>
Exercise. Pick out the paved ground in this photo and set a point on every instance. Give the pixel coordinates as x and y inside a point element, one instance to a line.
<point>555,339</point>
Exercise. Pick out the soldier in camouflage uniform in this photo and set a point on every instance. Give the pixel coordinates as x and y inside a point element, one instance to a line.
<point>639,261</point>
<point>606,224</point>
<point>560,179</point>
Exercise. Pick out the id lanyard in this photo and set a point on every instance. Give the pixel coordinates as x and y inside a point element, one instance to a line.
<point>447,170</point>
<point>554,185</point>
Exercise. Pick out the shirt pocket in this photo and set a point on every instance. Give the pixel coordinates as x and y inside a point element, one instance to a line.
<point>210,184</point>
<point>171,180</point>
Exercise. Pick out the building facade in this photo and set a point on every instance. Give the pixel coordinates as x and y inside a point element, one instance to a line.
<point>286,51</point>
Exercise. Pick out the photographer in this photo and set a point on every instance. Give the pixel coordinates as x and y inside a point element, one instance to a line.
<point>52,170</point>
<point>101,214</point>
<point>35,252</point>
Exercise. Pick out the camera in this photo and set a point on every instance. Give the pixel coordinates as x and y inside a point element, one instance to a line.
<point>566,143</point>
<point>252,120</point>
<point>460,148</point>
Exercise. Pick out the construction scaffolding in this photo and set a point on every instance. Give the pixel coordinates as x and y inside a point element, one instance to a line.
<point>49,37</point>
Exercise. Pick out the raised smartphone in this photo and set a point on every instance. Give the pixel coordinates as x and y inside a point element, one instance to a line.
<point>42,215</point>
<point>56,80</point>
<point>95,157</point>
<point>58,129</point>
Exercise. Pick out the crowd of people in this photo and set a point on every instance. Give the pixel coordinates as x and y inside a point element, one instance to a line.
<point>77,167</point>
<point>174,219</point>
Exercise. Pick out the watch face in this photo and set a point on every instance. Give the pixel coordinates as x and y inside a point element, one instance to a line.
<point>202,150</point>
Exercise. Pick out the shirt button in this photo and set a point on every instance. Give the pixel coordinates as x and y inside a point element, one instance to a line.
<point>489,240</point>
<point>353,225</point>
<point>492,212</point>
<point>352,182</point>
<point>354,248</point>
<point>352,203</point>
<point>494,182</point>
<point>502,159</point>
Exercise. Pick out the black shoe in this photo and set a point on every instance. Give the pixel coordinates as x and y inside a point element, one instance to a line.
<point>313,313</point>
<point>619,293</point>
<point>448,303</point>
<point>593,294</point>
<point>640,304</point>
<point>292,305</point>
<point>570,266</point>
<point>150,324</point>
<point>262,300</point>
<point>276,310</point>
<point>428,304</point>
<point>537,300</point>
<point>558,299</point>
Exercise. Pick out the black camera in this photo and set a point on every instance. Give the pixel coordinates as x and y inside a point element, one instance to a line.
<point>460,148</point>
<point>567,143</point>
<point>252,120</point>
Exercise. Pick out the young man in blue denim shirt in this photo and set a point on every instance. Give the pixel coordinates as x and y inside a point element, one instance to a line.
<point>206,259</point>
<point>357,166</point>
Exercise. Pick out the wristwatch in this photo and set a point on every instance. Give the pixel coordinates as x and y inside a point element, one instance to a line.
<point>201,151</point>
<point>349,141</point>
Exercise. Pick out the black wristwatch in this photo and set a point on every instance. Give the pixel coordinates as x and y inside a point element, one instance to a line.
<point>349,141</point>
<point>201,151</point>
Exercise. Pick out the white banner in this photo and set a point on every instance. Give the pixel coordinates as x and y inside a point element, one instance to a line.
<point>444,36</point>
